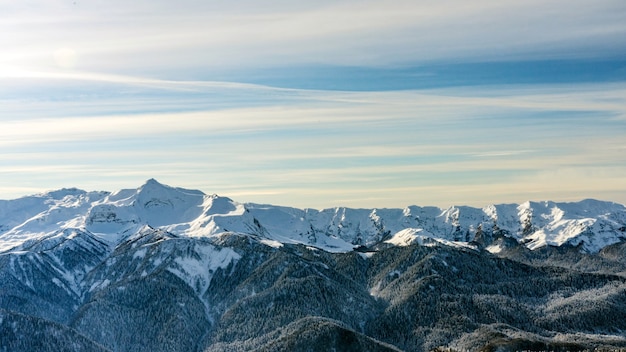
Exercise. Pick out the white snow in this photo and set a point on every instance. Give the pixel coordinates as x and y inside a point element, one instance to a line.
<point>101,284</point>
<point>411,236</point>
<point>366,255</point>
<point>197,270</point>
<point>272,243</point>
<point>112,217</point>
<point>494,248</point>
<point>408,237</point>
<point>140,253</point>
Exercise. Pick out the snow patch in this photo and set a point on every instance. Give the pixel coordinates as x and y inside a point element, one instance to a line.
<point>99,285</point>
<point>140,253</point>
<point>271,243</point>
<point>494,248</point>
<point>411,236</point>
<point>366,255</point>
<point>197,268</point>
<point>408,237</point>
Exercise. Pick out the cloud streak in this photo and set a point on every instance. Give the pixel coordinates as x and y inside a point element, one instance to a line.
<point>462,145</point>
<point>186,92</point>
<point>150,37</point>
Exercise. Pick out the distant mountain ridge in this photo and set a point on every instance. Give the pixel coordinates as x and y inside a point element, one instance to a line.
<point>589,224</point>
<point>160,268</point>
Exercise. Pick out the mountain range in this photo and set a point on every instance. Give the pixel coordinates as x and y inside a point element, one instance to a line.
<point>161,268</point>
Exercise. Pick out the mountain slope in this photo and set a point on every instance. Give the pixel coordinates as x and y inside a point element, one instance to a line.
<point>25,333</point>
<point>160,268</point>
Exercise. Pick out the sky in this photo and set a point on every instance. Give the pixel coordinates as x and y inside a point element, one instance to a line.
<point>316,104</point>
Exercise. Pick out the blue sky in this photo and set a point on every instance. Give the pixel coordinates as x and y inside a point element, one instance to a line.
<point>317,104</point>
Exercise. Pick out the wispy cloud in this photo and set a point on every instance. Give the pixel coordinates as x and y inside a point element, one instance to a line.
<point>300,109</point>
<point>108,94</point>
<point>156,35</point>
<point>461,145</point>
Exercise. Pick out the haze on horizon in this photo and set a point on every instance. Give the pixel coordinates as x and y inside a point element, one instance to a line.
<point>317,104</point>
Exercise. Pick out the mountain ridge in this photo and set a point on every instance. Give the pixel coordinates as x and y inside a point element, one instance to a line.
<point>590,224</point>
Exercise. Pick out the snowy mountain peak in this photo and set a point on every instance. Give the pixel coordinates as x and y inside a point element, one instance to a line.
<point>153,182</point>
<point>153,190</point>
<point>153,204</point>
<point>590,224</point>
<point>63,193</point>
<point>215,204</point>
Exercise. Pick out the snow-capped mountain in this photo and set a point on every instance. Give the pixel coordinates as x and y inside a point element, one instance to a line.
<point>160,268</point>
<point>112,217</point>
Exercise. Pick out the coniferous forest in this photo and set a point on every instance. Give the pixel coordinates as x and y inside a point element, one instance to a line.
<point>142,296</point>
